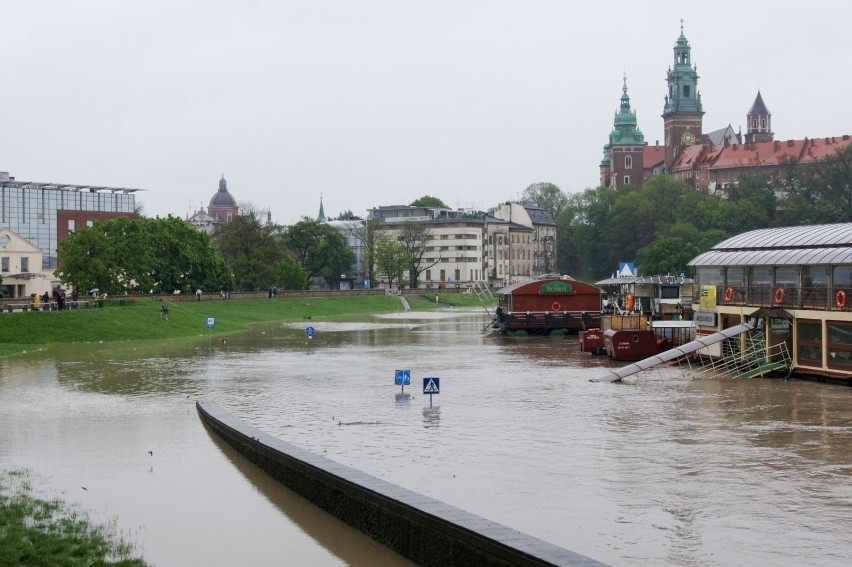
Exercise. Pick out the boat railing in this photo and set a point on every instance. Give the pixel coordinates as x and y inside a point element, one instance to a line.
<point>554,319</point>
<point>626,321</point>
<point>820,298</point>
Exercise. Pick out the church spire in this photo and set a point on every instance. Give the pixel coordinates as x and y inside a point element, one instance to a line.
<point>321,215</point>
<point>759,122</point>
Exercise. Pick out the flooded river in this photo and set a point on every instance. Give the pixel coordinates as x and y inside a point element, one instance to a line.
<point>668,472</point>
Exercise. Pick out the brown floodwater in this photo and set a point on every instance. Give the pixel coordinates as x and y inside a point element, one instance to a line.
<point>668,472</point>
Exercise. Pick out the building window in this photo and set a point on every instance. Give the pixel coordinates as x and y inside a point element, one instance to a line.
<point>4,264</point>
<point>628,162</point>
<point>685,91</point>
<point>839,345</point>
<point>25,264</point>
<point>72,225</point>
<point>809,342</point>
<point>626,179</point>
<point>90,223</point>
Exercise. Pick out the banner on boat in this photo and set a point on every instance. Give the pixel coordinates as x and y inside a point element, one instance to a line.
<point>708,297</point>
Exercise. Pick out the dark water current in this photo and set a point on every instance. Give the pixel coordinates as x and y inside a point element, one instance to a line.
<point>666,472</point>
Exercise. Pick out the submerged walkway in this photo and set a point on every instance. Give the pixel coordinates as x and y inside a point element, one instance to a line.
<point>419,528</point>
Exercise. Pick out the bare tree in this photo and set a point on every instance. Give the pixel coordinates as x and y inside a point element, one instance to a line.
<point>414,237</point>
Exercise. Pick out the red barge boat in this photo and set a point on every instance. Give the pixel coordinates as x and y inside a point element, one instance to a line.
<point>635,337</point>
<point>548,304</point>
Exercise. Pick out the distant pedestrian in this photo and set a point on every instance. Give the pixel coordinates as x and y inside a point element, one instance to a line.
<point>198,294</point>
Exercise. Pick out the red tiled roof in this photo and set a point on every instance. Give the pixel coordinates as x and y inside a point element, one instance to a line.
<point>652,156</point>
<point>757,154</point>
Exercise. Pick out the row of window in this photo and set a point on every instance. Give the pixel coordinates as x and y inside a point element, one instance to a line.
<point>803,276</point>
<point>5,267</point>
<point>838,346</point>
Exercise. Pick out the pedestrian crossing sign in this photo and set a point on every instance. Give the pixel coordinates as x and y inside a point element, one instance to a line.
<point>431,385</point>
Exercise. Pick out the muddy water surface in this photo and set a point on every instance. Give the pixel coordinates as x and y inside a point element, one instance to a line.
<point>666,472</point>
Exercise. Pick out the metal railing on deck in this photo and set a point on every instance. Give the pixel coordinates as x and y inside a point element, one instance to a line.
<point>819,298</point>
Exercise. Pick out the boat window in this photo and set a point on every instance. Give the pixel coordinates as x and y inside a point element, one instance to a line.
<point>809,342</point>
<point>839,344</point>
<point>669,292</point>
<point>843,276</point>
<point>786,275</point>
<point>760,275</point>
<point>813,276</point>
<point>707,275</point>
<point>736,276</point>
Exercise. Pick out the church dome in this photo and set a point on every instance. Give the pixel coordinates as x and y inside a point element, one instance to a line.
<point>223,198</point>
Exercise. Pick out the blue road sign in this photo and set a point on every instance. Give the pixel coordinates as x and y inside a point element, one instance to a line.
<point>211,322</point>
<point>403,377</point>
<point>309,331</point>
<point>431,385</point>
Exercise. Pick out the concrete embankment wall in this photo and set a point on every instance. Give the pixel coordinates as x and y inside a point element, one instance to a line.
<point>419,528</point>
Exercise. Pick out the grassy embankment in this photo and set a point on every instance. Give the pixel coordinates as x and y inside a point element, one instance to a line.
<point>34,531</point>
<point>142,320</point>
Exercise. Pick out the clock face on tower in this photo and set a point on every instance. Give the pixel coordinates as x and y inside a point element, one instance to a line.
<point>688,138</point>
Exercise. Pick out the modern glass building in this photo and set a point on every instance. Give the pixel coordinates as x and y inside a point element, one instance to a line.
<point>44,213</point>
<point>796,282</point>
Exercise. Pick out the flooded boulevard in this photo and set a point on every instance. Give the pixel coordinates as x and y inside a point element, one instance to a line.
<point>669,472</point>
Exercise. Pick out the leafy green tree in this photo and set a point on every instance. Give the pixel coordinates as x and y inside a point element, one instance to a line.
<point>292,275</point>
<point>834,175</point>
<point>86,260</point>
<point>319,248</point>
<point>147,255</point>
<point>548,196</point>
<point>429,201</point>
<point>251,250</point>
<point>666,256</point>
<point>182,257</point>
<point>346,215</point>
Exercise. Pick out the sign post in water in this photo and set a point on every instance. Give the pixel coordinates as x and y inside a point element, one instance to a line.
<point>431,386</point>
<point>211,322</point>
<point>403,379</point>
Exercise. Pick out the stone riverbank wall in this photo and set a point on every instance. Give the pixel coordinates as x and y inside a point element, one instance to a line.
<point>419,528</point>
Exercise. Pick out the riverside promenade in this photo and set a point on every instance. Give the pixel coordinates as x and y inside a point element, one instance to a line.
<point>419,528</point>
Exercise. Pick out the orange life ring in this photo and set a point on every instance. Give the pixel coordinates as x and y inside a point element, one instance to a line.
<point>779,295</point>
<point>729,294</point>
<point>556,306</point>
<point>631,302</point>
<point>840,299</point>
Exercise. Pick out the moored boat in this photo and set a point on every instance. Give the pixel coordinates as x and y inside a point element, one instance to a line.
<point>635,337</point>
<point>548,304</point>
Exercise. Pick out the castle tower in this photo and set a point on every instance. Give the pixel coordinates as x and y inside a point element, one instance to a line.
<point>759,122</point>
<point>682,113</point>
<point>623,155</point>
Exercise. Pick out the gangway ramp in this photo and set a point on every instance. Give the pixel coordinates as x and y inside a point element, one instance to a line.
<point>676,353</point>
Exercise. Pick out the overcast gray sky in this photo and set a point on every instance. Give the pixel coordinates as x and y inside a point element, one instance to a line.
<point>372,102</point>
